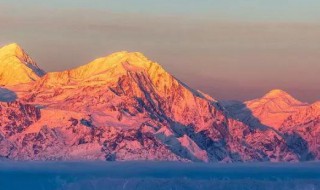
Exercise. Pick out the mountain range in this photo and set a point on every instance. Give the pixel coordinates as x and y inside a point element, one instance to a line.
<point>127,107</point>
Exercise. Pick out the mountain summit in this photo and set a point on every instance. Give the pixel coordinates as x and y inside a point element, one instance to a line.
<point>280,96</point>
<point>16,66</point>
<point>122,72</point>
<point>276,93</point>
<point>119,62</point>
<point>274,107</point>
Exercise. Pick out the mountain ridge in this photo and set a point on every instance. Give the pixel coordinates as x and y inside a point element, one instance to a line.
<point>126,107</point>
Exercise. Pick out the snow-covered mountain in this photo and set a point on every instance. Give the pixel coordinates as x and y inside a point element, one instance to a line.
<point>126,107</point>
<point>16,66</point>
<point>297,122</point>
<point>271,110</point>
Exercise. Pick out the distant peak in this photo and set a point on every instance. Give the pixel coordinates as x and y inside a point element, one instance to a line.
<point>281,96</point>
<point>276,93</point>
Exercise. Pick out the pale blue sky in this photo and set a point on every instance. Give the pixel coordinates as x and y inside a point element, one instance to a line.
<point>231,49</point>
<point>248,10</point>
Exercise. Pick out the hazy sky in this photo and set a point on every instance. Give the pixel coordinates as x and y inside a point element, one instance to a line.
<point>232,49</point>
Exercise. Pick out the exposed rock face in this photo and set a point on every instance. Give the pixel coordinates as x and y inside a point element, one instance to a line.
<point>15,119</point>
<point>126,107</point>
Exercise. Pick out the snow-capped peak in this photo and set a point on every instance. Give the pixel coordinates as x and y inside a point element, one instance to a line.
<point>280,96</point>
<point>135,59</point>
<point>14,50</point>
<point>11,48</point>
<point>126,60</point>
<point>276,93</point>
<point>17,66</point>
<point>105,69</point>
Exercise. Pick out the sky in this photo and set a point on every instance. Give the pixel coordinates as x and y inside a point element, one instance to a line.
<point>235,49</point>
